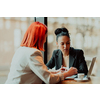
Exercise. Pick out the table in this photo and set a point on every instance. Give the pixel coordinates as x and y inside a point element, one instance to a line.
<point>93,80</point>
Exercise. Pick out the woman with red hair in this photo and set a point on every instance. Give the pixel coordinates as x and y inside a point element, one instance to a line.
<point>27,65</point>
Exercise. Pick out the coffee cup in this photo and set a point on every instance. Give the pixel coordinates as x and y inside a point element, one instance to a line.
<point>81,75</point>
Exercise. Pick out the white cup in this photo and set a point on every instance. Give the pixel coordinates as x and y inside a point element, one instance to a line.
<point>81,75</point>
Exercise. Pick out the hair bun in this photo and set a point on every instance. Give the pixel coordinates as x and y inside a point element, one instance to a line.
<point>58,31</point>
<point>65,30</point>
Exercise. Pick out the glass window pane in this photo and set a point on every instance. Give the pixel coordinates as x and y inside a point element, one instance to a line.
<point>12,30</point>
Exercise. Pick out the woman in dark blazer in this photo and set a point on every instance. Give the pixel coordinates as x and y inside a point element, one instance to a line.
<point>66,55</point>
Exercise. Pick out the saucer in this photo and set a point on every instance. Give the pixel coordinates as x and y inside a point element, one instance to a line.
<point>81,80</point>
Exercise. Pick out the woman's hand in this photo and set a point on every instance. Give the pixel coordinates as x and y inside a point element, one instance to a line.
<point>70,72</point>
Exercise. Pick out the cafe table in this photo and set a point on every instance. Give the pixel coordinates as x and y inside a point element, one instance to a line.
<point>92,80</point>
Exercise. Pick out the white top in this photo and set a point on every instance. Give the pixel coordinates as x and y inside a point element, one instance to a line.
<point>67,62</point>
<point>27,67</point>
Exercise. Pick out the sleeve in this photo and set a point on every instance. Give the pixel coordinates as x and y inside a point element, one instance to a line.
<point>51,62</point>
<point>37,65</point>
<point>82,63</point>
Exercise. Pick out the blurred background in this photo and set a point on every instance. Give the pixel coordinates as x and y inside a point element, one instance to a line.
<point>12,30</point>
<point>84,32</point>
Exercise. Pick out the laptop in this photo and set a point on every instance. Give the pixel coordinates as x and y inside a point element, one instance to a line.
<point>89,71</point>
<point>91,68</point>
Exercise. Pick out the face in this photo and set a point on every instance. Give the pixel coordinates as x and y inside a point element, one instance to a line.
<point>64,44</point>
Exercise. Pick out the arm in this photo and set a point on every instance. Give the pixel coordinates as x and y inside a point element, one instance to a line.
<point>51,62</point>
<point>37,65</point>
<point>53,71</point>
<point>82,63</point>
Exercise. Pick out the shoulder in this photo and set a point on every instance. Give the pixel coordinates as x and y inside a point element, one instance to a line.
<point>31,51</point>
<point>75,51</point>
<point>35,55</point>
<point>35,52</point>
<point>57,51</point>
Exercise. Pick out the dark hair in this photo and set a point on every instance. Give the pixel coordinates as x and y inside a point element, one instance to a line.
<point>61,32</point>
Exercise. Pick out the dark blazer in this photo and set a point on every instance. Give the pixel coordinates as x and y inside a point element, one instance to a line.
<point>76,59</point>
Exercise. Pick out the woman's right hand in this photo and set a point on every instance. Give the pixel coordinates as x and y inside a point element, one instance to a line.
<point>70,72</point>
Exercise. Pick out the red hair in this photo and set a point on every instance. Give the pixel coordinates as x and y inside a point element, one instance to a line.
<point>34,36</point>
